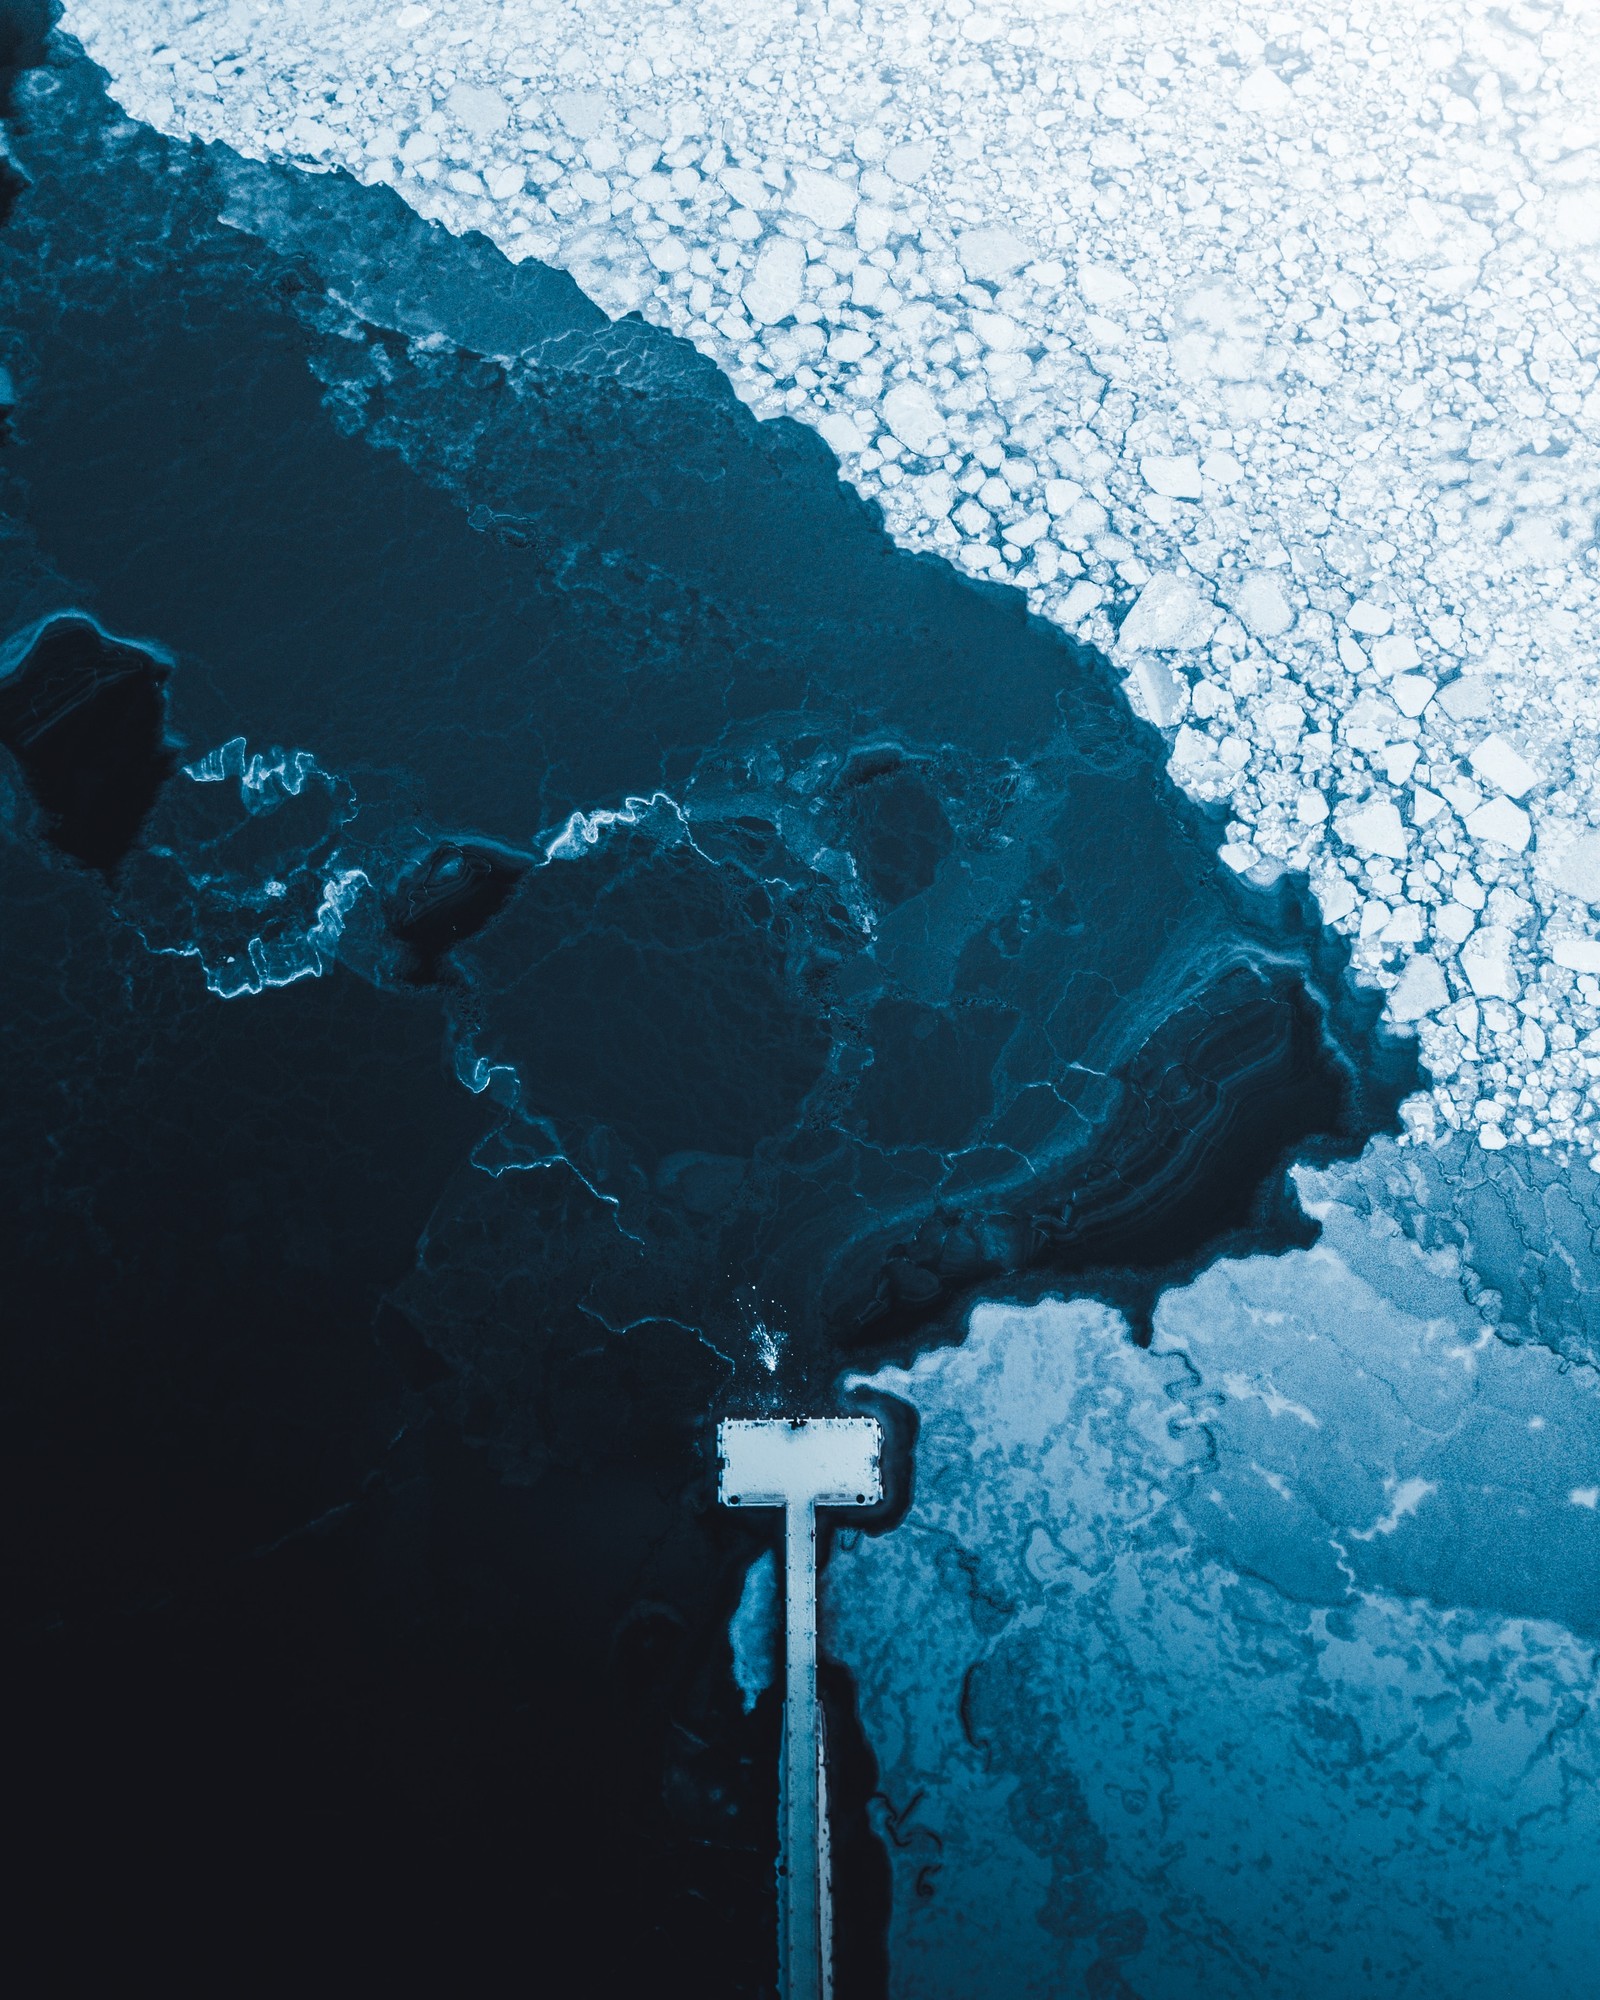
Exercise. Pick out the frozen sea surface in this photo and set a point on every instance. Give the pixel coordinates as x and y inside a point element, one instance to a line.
<point>531,919</point>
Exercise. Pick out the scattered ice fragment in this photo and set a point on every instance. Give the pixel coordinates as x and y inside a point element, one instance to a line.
<point>1585,1496</point>
<point>1169,615</point>
<point>1470,696</point>
<point>1105,285</point>
<point>1395,654</point>
<point>1578,870</point>
<point>1262,607</point>
<point>988,254</point>
<point>1577,954</point>
<point>1498,764</point>
<point>480,110</point>
<point>1411,693</point>
<point>914,418</point>
<point>582,112</point>
<point>1266,94</point>
<point>1502,824</point>
<point>909,162</point>
<point>1178,478</point>
<point>1486,960</point>
<point>1375,829</point>
<point>822,199</point>
<point>1420,990</point>
<point>772,291</point>
<point>1163,694</point>
<point>1425,805</point>
<point>1368,618</point>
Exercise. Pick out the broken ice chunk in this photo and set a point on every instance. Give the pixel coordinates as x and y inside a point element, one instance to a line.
<point>1578,870</point>
<point>480,110</point>
<point>1501,824</point>
<point>1177,478</point>
<point>1262,607</point>
<point>1577,954</point>
<point>1169,615</point>
<point>913,417</point>
<point>1411,693</point>
<point>1375,829</point>
<point>989,254</point>
<point>1368,618</point>
<point>1498,764</point>
<point>821,198</point>
<point>772,291</point>
<point>1395,654</point>
<point>1486,960</point>
<point>1420,990</point>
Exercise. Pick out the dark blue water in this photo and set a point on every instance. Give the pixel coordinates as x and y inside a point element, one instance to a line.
<point>529,924</point>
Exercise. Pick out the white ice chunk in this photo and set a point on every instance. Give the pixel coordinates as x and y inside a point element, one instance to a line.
<point>1177,478</point>
<point>1578,870</point>
<point>1577,954</point>
<point>909,162</point>
<point>822,198</point>
<point>914,417</point>
<point>1170,615</point>
<point>1262,606</point>
<point>1425,805</point>
<point>1375,829</point>
<point>482,111</point>
<point>1486,960</point>
<point>1411,693</point>
<point>582,112</point>
<point>772,291</point>
<point>1501,824</point>
<point>1499,765</point>
<point>1366,617</point>
<point>1266,94</point>
<point>1420,990</point>
<point>1396,654</point>
<point>990,254</point>
<point>1105,285</point>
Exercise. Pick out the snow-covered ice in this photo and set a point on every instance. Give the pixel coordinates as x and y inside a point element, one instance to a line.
<point>1257,347</point>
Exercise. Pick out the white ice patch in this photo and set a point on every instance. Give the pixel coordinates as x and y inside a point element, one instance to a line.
<point>1290,319</point>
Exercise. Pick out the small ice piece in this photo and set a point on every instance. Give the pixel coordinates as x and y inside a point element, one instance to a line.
<point>909,162</point>
<point>1265,93</point>
<point>1576,954</point>
<point>1585,1496</point>
<point>1262,607</point>
<point>1455,922</point>
<point>1499,765</point>
<point>822,198</point>
<point>1420,990</point>
<point>1501,824</point>
<point>1395,654</point>
<point>772,291</point>
<point>1470,696</point>
<point>1375,829</point>
<point>913,417</point>
<point>989,254</point>
<point>1368,618</point>
<point>1411,693</point>
<point>1578,870</point>
<point>480,110</point>
<point>1104,285</point>
<point>1425,805</point>
<point>582,112</point>
<point>1177,478</point>
<point>1486,960</point>
<point>1170,615</point>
